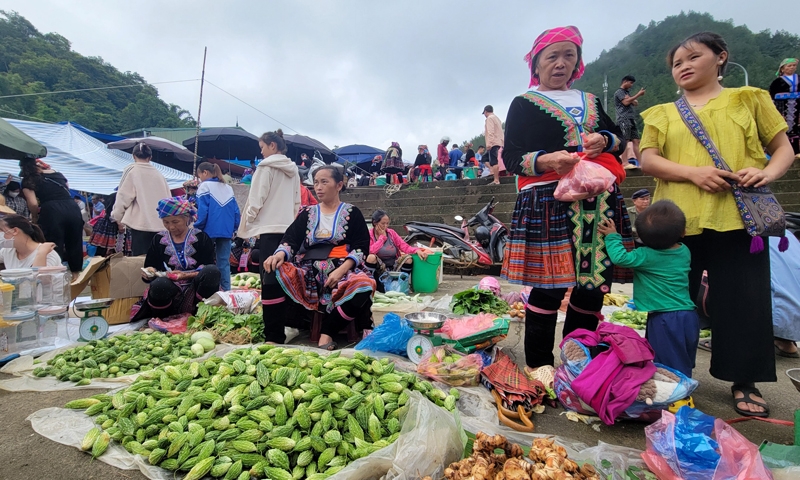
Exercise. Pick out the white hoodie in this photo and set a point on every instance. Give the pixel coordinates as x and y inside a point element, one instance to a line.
<point>274,198</point>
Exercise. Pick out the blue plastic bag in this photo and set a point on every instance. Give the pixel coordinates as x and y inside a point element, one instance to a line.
<point>395,282</point>
<point>691,445</point>
<point>391,336</point>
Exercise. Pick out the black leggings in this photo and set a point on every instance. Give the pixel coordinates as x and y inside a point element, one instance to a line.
<point>540,325</point>
<point>62,224</point>
<point>141,241</point>
<point>274,315</point>
<point>164,298</point>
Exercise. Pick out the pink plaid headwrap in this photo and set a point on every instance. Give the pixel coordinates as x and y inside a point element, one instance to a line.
<point>549,37</point>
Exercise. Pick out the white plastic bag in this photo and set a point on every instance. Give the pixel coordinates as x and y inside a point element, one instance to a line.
<point>429,441</point>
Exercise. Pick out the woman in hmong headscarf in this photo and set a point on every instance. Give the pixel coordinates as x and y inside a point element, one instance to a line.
<point>320,265</point>
<point>186,256</point>
<point>554,245</point>
<point>785,92</point>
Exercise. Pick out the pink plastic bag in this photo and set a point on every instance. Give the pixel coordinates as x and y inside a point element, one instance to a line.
<point>458,328</point>
<point>443,364</point>
<point>173,324</point>
<point>586,180</point>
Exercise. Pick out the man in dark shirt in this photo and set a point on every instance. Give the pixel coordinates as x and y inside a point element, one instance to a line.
<point>626,116</point>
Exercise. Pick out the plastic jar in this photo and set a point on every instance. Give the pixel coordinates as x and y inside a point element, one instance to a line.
<point>6,298</point>
<point>53,285</point>
<point>19,332</point>
<point>24,282</point>
<point>50,318</point>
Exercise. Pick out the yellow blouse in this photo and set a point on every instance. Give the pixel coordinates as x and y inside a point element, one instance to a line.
<point>741,121</point>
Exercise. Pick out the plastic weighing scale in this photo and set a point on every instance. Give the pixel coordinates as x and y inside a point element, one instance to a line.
<point>93,326</point>
<point>425,323</point>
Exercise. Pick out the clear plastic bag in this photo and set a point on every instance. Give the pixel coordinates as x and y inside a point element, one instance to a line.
<point>390,336</point>
<point>691,445</point>
<point>412,456</point>
<point>586,180</point>
<point>443,364</point>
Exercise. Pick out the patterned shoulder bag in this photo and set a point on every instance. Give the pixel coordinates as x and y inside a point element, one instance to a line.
<point>761,213</point>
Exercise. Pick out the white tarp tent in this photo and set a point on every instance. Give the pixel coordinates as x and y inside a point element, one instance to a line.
<point>86,162</point>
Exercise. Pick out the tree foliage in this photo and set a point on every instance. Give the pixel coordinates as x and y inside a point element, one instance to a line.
<point>32,62</point>
<point>643,55</point>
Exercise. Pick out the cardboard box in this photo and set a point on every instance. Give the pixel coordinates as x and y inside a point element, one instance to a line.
<point>117,277</point>
<point>120,278</point>
<point>120,311</point>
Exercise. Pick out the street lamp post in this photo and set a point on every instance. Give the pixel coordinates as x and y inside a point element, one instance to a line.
<point>746,79</point>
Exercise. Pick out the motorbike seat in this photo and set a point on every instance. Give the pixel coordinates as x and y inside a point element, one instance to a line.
<point>451,228</point>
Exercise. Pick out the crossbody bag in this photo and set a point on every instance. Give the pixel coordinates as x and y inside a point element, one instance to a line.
<point>761,213</point>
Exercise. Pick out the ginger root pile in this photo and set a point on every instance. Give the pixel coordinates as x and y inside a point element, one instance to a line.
<point>546,461</point>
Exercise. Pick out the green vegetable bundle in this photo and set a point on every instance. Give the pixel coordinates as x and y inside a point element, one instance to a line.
<point>474,301</point>
<point>226,326</point>
<point>631,318</point>
<point>267,411</point>
<point>117,356</point>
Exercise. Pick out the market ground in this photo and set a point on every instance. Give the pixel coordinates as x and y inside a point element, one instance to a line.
<point>26,455</point>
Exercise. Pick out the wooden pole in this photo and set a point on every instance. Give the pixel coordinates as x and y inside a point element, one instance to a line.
<point>199,110</point>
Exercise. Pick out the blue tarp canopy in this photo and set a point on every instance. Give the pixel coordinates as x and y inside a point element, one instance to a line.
<point>86,162</point>
<point>356,154</point>
<point>103,137</point>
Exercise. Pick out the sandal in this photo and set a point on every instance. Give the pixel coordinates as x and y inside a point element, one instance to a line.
<point>747,397</point>
<point>704,344</point>
<point>783,353</point>
<point>330,346</point>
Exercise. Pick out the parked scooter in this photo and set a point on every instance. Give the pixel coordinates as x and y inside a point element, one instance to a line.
<point>459,250</point>
<point>307,172</point>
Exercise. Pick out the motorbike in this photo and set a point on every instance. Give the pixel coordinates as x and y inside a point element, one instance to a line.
<point>488,248</point>
<point>307,172</point>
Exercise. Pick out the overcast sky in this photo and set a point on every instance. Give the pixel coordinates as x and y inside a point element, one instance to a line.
<point>347,72</point>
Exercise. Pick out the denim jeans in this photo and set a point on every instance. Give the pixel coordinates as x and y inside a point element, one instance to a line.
<point>223,247</point>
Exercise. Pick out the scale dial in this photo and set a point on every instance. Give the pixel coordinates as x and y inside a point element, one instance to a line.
<point>93,328</point>
<point>417,347</point>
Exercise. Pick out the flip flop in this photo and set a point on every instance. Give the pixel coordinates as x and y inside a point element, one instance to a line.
<point>783,353</point>
<point>330,346</point>
<point>747,397</point>
<point>704,344</point>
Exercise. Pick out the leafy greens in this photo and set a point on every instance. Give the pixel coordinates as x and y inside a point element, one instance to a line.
<point>474,301</point>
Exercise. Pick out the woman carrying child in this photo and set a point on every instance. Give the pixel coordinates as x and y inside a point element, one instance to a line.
<point>742,122</point>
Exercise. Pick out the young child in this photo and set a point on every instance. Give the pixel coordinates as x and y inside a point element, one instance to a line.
<point>661,282</point>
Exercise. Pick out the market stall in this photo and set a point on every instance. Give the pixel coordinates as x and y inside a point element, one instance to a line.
<point>426,394</point>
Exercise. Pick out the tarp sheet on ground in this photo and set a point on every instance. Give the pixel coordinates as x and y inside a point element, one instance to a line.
<point>86,162</point>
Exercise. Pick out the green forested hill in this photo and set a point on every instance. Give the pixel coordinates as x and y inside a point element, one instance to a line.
<point>643,54</point>
<point>33,62</point>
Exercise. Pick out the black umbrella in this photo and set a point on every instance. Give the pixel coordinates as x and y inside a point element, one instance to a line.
<point>225,143</point>
<point>16,145</point>
<point>297,144</point>
<point>157,145</point>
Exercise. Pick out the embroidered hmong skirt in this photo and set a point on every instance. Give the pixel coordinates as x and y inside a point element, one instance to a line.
<point>555,244</point>
<point>304,283</point>
<point>104,234</point>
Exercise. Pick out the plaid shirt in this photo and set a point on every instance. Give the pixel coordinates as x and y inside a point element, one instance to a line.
<point>19,205</point>
<point>624,112</point>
